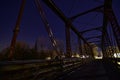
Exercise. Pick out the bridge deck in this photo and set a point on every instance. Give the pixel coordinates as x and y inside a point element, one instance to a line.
<point>97,70</point>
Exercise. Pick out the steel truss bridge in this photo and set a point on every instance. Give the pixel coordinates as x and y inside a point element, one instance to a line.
<point>69,68</point>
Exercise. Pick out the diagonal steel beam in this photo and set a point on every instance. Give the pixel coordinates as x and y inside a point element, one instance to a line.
<point>66,20</point>
<point>16,30</point>
<point>97,28</point>
<point>83,13</point>
<point>47,26</point>
<point>99,36</point>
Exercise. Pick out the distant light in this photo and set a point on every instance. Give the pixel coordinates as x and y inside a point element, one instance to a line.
<point>116,55</point>
<point>83,56</point>
<point>48,58</point>
<point>77,55</point>
<point>96,57</point>
<point>72,56</point>
<point>118,63</point>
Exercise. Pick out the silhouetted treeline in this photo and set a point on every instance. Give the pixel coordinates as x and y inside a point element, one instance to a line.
<point>24,52</point>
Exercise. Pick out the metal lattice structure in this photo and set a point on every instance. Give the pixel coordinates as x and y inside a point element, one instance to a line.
<point>106,40</point>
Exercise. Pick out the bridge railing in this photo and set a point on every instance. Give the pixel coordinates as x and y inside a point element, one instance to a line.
<point>38,69</point>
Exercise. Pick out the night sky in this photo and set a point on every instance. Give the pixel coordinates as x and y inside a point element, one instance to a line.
<point>32,27</point>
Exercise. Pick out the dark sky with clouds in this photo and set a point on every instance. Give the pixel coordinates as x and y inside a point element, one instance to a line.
<point>32,27</point>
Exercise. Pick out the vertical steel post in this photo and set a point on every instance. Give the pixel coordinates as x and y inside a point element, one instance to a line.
<point>68,43</point>
<point>112,18</point>
<point>80,46</point>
